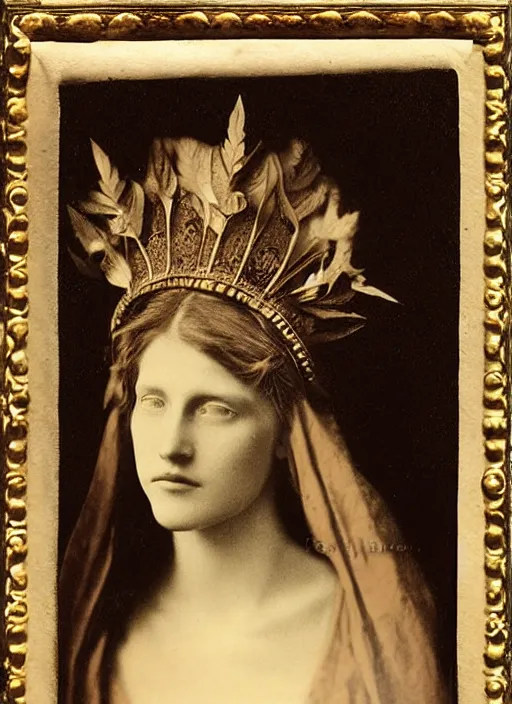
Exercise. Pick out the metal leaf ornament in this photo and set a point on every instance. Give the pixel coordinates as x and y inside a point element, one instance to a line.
<point>98,246</point>
<point>260,194</point>
<point>293,241</point>
<point>227,162</point>
<point>110,183</point>
<point>121,203</point>
<point>161,182</point>
<point>194,169</point>
<point>323,252</point>
<point>233,149</point>
<point>208,172</point>
<point>305,186</point>
<point>359,285</point>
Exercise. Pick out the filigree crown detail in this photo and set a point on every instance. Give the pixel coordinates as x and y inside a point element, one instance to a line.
<point>265,229</point>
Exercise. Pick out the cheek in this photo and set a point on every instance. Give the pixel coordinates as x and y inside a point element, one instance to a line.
<point>144,438</point>
<point>248,456</point>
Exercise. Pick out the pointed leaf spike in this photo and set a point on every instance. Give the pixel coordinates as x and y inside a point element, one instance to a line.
<point>372,291</point>
<point>233,149</point>
<point>110,182</point>
<point>101,160</point>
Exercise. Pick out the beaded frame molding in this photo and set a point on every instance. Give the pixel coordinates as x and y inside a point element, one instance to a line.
<point>488,25</point>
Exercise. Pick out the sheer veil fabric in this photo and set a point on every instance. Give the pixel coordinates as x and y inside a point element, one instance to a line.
<point>382,647</point>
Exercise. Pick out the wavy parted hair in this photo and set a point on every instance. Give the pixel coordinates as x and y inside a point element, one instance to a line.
<point>248,347</point>
<point>241,341</point>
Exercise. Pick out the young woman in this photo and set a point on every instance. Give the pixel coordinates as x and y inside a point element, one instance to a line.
<point>224,552</point>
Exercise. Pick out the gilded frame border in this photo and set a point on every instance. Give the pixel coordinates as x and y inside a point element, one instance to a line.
<point>488,25</point>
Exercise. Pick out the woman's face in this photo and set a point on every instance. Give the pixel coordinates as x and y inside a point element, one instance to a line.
<point>204,442</point>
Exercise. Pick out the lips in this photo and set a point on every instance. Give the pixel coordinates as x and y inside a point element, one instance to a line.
<point>176,478</point>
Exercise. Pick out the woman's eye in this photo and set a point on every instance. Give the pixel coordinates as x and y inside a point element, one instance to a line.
<point>216,411</point>
<point>151,403</point>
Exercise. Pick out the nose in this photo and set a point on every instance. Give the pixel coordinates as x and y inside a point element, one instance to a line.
<point>176,443</point>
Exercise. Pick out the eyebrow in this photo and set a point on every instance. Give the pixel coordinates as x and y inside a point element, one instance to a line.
<point>149,389</point>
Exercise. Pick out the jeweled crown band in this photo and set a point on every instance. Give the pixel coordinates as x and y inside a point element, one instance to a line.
<point>292,340</point>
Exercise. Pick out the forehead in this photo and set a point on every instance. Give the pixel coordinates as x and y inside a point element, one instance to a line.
<point>170,363</point>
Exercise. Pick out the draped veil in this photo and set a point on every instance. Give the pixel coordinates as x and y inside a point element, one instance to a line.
<point>382,647</point>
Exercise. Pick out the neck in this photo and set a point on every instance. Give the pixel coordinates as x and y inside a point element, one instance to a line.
<point>234,565</point>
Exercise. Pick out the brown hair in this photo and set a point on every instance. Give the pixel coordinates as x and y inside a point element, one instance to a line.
<point>241,341</point>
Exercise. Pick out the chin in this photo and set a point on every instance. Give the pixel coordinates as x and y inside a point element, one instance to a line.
<point>175,523</point>
<point>174,518</point>
<point>186,518</point>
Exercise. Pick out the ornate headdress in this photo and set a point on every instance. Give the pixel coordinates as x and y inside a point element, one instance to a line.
<point>263,229</point>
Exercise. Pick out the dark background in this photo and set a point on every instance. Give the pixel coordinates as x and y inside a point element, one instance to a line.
<point>391,141</point>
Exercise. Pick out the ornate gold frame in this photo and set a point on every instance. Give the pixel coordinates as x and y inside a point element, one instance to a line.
<point>487,24</point>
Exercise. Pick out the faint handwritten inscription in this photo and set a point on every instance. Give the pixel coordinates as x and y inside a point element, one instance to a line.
<point>374,546</point>
<point>362,548</point>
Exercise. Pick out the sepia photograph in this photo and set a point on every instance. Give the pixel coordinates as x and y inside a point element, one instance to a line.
<point>250,289</point>
<point>264,454</point>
